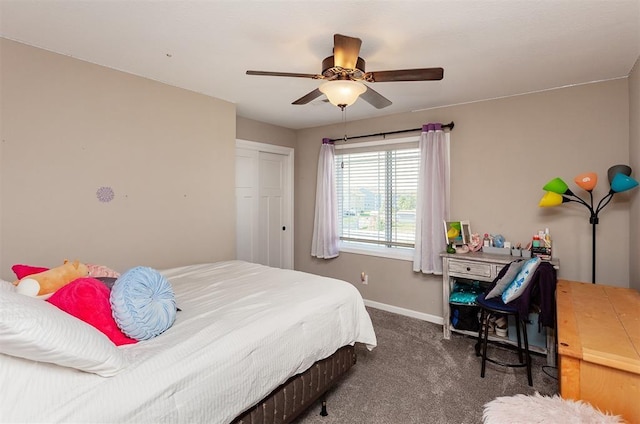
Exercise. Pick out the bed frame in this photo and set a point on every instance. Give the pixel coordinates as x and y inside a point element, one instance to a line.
<point>286,402</point>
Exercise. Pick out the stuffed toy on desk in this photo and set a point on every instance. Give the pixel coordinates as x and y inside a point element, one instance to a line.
<point>45,283</point>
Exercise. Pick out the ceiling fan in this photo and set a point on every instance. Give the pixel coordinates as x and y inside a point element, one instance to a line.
<point>344,74</point>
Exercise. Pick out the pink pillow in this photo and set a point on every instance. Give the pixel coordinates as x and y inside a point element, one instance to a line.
<point>22,271</point>
<point>101,271</point>
<point>88,299</point>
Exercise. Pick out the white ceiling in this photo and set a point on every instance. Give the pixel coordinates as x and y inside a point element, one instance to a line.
<point>488,49</point>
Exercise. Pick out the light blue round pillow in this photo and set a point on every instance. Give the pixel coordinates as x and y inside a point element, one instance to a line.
<point>143,303</point>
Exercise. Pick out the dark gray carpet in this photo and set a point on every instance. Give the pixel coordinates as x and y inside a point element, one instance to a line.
<point>415,376</point>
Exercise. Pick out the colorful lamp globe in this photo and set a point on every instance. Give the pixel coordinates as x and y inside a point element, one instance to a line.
<point>587,181</point>
<point>622,183</point>
<point>557,185</point>
<point>618,169</point>
<point>551,199</point>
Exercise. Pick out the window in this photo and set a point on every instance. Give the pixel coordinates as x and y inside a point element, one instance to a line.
<point>377,192</point>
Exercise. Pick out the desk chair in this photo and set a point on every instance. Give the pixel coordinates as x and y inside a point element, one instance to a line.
<point>540,291</point>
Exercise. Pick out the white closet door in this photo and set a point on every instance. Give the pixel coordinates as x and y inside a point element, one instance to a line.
<point>246,204</point>
<point>271,225</point>
<point>264,199</point>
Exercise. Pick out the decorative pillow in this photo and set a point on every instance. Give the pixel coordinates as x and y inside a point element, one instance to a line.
<point>107,281</point>
<point>22,271</point>
<point>37,330</point>
<point>506,279</point>
<point>522,280</point>
<point>88,299</point>
<point>45,283</point>
<point>143,303</point>
<point>101,271</point>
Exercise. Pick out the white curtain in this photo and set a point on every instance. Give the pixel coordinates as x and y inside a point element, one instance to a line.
<point>325,224</point>
<point>433,199</point>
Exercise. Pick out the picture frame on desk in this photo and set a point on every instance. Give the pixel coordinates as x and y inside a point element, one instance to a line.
<point>463,232</point>
<point>466,231</point>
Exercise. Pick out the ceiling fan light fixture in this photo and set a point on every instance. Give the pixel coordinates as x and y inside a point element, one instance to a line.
<point>342,92</point>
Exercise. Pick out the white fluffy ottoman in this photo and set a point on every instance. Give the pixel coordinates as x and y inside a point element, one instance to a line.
<point>523,409</point>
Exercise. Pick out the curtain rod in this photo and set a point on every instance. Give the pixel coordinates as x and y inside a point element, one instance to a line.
<point>449,126</point>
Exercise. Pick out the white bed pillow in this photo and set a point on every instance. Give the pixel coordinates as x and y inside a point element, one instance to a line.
<point>34,329</point>
<point>7,286</point>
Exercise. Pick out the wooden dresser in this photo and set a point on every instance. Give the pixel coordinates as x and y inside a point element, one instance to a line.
<point>599,346</point>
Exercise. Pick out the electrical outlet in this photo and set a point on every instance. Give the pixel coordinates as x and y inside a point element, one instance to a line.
<point>364,278</point>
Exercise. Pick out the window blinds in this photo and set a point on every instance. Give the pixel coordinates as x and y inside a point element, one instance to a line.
<point>377,192</point>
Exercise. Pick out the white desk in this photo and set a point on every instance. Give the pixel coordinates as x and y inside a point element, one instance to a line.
<point>482,267</point>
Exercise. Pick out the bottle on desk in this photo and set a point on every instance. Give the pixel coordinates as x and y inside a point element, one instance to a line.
<point>547,239</point>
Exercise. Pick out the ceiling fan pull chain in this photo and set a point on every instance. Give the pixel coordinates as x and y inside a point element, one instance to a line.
<point>344,122</point>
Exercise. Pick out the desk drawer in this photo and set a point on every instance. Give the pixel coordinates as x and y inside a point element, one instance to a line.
<point>471,269</point>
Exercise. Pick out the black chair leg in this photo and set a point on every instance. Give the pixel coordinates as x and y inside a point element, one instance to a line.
<point>518,321</point>
<point>526,352</point>
<point>479,341</point>
<point>485,342</point>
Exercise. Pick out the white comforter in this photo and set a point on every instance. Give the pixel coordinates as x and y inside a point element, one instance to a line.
<point>243,330</point>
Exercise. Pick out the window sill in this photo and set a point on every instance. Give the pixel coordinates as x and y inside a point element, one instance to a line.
<point>391,253</point>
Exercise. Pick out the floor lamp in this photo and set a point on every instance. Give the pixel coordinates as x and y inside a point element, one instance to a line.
<point>557,193</point>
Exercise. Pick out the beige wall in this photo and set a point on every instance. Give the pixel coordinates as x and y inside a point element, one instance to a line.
<point>502,153</point>
<point>634,162</point>
<point>251,130</point>
<point>70,127</point>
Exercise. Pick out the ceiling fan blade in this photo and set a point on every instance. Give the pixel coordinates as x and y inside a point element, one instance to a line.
<point>284,74</point>
<point>308,97</point>
<point>346,51</point>
<point>421,74</point>
<point>374,98</point>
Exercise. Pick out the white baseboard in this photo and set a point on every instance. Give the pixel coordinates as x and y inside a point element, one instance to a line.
<point>406,312</point>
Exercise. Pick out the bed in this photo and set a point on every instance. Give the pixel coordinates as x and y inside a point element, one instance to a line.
<point>250,343</point>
